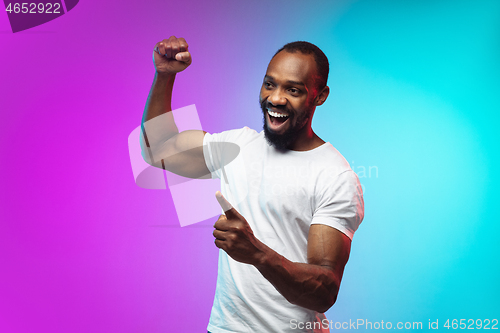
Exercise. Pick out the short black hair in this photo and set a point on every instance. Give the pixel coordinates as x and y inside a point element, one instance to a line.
<point>320,58</point>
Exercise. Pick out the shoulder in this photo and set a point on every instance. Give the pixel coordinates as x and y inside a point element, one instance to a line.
<point>240,136</point>
<point>329,162</point>
<point>338,197</point>
<point>335,179</point>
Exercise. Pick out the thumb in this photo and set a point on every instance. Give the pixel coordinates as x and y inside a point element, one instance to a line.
<point>226,206</point>
<point>183,56</point>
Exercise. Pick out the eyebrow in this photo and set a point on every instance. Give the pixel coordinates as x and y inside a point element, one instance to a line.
<point>297,83</point>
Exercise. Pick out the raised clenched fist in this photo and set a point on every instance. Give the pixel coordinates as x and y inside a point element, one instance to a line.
<point>171,55</point>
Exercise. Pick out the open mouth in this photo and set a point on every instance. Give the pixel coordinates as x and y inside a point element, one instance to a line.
<point>277,119</point>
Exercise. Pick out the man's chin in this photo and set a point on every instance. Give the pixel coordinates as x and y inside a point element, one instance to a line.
<point>277,140</point>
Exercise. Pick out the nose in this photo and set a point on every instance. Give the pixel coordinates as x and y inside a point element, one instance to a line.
<point>276,98</point>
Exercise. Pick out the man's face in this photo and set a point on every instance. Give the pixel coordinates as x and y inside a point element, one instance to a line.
<point>287,97</point>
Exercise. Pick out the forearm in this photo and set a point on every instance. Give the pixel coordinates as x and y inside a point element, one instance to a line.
<point>158,124</point>
<point>160,96</point>
<point>314,285</point>
<point>310,286</point>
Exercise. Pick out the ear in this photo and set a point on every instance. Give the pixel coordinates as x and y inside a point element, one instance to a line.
<point>322,96</point>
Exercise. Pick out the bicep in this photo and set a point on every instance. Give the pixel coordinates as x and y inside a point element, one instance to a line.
<point>328,247</point>
<point>183,155</point>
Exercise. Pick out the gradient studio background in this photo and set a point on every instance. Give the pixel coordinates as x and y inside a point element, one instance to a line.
<point>414,96</point>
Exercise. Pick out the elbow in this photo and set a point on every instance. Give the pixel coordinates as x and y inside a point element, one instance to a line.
<point>146,152</point>
<point>147,156</point>
<point>321,300</point>
<point>327,293</point>
<point>326,303</point>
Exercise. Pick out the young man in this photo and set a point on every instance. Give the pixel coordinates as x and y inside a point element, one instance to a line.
<point>297,202</point>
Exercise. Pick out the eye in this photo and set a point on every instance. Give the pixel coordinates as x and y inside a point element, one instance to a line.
<point>294,91</point>
<point>268,84</point>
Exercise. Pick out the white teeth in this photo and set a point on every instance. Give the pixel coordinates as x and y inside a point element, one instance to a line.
<point>276,114</point>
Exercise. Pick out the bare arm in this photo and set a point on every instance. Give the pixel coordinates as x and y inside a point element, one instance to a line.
<point>314,285</point>
<point>162,145</point>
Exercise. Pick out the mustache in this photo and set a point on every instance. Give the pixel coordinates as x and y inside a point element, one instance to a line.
<point>265,104</point>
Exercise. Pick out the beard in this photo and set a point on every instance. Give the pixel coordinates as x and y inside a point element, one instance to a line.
<point>284,140</point>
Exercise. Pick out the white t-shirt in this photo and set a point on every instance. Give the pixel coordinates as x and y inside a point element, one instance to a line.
<point>280,194</point>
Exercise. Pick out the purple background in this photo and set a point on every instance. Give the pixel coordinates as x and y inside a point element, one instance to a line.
<point>83,249</point>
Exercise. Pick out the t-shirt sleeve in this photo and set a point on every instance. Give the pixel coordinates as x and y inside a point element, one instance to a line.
<point>340,203</point>
<point>219,149</point>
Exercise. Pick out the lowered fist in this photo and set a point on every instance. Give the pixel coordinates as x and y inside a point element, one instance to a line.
<point>171,55</point>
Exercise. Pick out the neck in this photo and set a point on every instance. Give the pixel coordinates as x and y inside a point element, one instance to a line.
<point>307,140</point>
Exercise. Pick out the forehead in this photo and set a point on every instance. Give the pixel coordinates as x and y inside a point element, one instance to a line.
<point>298,67</point>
